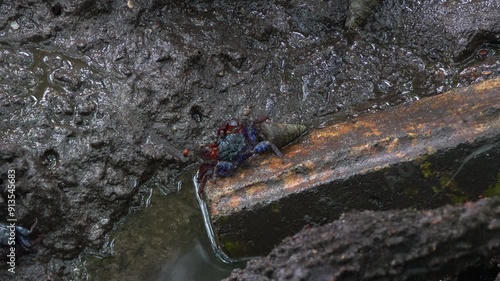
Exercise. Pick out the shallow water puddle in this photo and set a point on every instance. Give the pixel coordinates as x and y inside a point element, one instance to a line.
<point>165,241</point>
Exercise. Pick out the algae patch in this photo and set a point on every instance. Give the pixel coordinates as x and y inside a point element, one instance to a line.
<point>494,189</point>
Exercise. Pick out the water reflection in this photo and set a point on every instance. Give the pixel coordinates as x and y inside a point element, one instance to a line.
<point>165,241</point>
<point>197,264</point>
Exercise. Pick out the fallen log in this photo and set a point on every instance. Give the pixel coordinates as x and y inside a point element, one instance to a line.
<point>386,245</point>
<point>423,154</point>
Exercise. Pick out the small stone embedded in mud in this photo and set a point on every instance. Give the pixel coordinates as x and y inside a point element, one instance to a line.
<point>130,4</point>
<point>247,110</point>
<point>67,77</point>
<point>50,158</point>
<point>14,25</point>
<point>86,108</point>
<point>482,54</point>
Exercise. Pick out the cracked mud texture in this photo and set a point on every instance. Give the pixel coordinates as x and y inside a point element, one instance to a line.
<point>96,97</point>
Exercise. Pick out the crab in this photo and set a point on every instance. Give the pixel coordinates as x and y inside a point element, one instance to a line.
<point>236,142</point>
<point>19,239</point>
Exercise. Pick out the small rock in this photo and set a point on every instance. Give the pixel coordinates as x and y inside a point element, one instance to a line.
<point>14,25</point>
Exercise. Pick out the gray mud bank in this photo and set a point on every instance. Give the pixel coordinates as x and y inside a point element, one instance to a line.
<point>96,97</point>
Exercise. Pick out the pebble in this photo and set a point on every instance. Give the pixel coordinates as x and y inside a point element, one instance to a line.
<point>14,25</point>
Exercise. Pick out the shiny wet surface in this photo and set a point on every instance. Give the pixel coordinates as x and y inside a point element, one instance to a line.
<point>96,98</point>
<point>165,241</point>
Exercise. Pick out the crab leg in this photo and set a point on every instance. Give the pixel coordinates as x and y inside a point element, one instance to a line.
<point>265,145</point>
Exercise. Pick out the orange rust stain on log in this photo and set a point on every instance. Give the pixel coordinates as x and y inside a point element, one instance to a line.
<point>489,84</point>
<point>291,150</point>
<point>360,149</point>
<point>272,163</point>
<point>412,134</point>
<point>310,165</point>
<point>480,128</point>
<point>223,203</point>
<point>393,145</point>
<point>234,202</point>
<point>329,132</point>
<point>255,189</point>
<point>290,182</point>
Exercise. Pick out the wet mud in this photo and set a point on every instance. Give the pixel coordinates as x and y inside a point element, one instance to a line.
<point>97,97</point>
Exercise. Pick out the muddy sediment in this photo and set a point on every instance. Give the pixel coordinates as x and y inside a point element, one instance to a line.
<point>96,97</point>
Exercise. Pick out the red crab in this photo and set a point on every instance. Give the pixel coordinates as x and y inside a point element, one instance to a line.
<point>239,140</point>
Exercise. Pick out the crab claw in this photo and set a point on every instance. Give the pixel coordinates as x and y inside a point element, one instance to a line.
<point>204,172</point>
<point>210,151</point>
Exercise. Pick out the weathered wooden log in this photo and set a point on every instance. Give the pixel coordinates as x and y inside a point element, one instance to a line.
<point>424,154</point>
<point>386,245</point>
